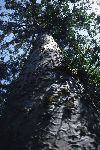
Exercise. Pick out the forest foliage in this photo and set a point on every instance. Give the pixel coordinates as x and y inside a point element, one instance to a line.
<point>75,30</point>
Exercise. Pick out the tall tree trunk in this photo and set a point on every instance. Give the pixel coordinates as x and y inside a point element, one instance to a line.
<point>44,109</point>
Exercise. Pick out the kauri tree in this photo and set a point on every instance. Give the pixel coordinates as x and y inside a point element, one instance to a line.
<point>49,75</point>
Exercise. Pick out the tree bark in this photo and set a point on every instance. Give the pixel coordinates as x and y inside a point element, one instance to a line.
<point>44,108</point>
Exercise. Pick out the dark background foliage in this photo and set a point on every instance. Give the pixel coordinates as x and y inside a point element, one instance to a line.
<point>20,23</point>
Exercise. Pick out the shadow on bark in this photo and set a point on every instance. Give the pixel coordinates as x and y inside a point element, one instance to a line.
<point>46,108</point>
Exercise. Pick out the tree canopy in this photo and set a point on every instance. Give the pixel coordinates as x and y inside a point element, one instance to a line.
<point>73,28</point>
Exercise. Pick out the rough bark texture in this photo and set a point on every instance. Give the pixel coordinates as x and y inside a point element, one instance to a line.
<point>45,109</point>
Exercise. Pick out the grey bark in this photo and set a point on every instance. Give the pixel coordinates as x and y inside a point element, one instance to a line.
<point>45,109</point>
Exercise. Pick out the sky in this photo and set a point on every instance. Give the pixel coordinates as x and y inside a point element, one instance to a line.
<point>95,7</point>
